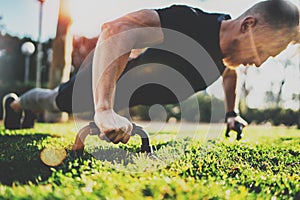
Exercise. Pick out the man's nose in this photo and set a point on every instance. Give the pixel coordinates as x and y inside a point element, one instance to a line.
<point>260,61</point>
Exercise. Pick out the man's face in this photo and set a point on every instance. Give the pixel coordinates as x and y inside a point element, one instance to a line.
<point>255,47</point>
<point>269,43</point>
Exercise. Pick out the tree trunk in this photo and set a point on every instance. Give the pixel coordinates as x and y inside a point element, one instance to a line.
<point>62,54</point>
<point>298,124</point>
<point>62,47</point>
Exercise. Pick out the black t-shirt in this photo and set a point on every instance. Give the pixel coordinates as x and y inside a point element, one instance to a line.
<point>191,45</point>
<point>203,27</point>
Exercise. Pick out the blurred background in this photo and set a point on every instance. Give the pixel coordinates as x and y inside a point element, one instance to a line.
<point>43,43</point>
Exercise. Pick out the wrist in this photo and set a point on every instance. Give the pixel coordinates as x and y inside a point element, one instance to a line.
<point>103,106</point>
<point>103,109</point>
<point>230,114</point>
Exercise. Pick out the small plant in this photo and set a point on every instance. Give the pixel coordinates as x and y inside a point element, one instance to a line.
<point>263,165</point>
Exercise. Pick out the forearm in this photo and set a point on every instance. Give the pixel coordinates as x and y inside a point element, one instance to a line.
<point>230,90</point>
<point>110,58</point>
<point>232,118</point>
<point>105,77</point>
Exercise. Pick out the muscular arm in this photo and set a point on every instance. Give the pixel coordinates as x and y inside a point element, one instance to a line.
<point>230,80</point>
<point>230,86</point>
<point>118,38</point>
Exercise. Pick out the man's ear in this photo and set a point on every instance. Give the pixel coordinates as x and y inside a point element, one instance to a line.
<point>248,22</point>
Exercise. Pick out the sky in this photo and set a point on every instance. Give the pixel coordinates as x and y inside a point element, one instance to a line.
<point>21,18</point>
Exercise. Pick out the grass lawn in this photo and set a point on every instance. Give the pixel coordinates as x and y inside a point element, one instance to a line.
<point>263,165</point>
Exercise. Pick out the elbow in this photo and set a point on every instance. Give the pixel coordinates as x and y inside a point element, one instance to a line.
<point>229,74</point>
<point>112,28</point>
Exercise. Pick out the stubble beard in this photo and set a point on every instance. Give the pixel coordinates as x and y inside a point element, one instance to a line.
<point>231,54</point>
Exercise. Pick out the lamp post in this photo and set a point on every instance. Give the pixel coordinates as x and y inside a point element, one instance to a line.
<point>39,47</point>
<point>27,49</point>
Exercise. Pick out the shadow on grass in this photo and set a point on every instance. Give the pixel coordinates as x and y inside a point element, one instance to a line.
<point>126,154</point>
<point>115,155</point>
<point>20,159</point>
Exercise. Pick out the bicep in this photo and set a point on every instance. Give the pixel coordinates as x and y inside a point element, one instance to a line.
<point>143,26</point>
<point>229,79</point>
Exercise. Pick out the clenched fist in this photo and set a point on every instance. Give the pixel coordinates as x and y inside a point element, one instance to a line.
<point>114,128</point>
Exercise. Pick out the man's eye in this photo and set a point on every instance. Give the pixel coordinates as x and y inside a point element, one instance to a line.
<point>260,52</point>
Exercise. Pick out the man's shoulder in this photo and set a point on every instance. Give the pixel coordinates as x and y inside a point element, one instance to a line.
<point>182,6</point>
<point>196,10</point>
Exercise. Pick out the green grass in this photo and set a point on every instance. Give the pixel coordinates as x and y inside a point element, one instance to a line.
<point>263,165</point>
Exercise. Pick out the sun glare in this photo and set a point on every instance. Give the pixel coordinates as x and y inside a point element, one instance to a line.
<point>90,15</point>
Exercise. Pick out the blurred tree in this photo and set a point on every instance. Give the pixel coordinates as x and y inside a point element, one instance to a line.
<point>62,47</point>
<point>245,89</point>
<point>270,97</point>
<point>298,122</point>
<point>273,97</point>
<point>82,46</point>
<point>61,64</point>
<point>2,26</point>
<point>298,53</point>
<point>287,62</point>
